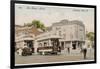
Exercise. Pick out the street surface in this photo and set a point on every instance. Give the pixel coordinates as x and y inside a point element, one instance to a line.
<point>52,58</point>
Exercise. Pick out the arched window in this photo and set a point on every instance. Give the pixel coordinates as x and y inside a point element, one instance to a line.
<point>45,44</point>
<point>40,44</point>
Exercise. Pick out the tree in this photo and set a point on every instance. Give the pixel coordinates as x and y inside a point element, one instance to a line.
<point>37,24</point>
<point>42,27</point>
<point>90,36</point>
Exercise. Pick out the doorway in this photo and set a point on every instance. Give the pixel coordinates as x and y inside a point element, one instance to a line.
<point>29,44</point>
<point>74,45</point>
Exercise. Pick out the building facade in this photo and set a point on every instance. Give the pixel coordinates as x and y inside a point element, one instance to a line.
<point>25,36</point>
<point>70,34</point>
<point>62,37</point>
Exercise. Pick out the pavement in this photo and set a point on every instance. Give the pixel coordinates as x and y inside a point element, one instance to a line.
<point>52,58</point>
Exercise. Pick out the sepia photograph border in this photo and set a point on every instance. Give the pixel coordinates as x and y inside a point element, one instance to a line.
<point>12,33</point>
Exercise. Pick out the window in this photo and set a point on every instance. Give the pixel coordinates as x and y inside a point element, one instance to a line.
<point>62,45</point>
<point>57,28</point>
<point>81,29</point>
<point>40,44</point>
<point>59,33</point>
<point>45,44</point>
<point>71,35</point>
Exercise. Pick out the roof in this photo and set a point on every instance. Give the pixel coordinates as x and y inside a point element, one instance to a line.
<point>67,22</point>
<point>49,37</point>
<point>35,31</point>
<point>31,29</point>
<point>49,28</point>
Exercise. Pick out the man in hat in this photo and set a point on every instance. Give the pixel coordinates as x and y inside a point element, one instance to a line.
<point>84,50</point>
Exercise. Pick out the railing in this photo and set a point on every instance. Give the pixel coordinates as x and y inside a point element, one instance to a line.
<point>44,48</point>
<point>49,47</point>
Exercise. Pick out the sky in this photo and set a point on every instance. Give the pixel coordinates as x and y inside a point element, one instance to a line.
<point>25,13</point>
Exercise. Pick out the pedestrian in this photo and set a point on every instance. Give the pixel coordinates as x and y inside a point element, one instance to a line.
<point>20,51</point>
<point>68,50</point>
<point>84,50</point>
